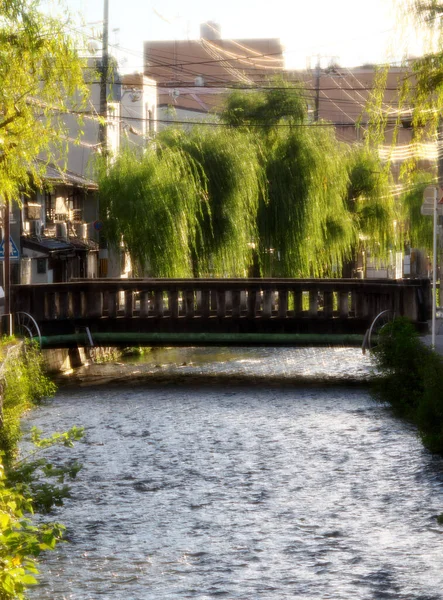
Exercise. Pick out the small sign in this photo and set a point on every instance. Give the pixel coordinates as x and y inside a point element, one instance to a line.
<point>98,225</point>
<point>13,250</point>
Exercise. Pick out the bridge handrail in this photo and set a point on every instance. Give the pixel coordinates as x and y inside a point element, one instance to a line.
<point>224,298</point>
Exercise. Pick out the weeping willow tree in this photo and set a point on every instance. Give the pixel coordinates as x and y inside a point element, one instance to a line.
<point>231,178</point>
<point>150,203</point>
<point>303,225</point>
<point>265,193</point>
<point>371,203</point>
<point>419,106</point>
<point>418,228</point>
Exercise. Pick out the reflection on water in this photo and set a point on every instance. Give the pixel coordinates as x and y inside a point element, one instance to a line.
<point>262,365</point>
<point>244,491</point>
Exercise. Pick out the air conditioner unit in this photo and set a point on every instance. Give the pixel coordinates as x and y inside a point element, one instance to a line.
<point>81,229</point>
<point>61,230</point>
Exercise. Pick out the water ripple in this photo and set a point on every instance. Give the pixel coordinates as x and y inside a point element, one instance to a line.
<point>245,491</point>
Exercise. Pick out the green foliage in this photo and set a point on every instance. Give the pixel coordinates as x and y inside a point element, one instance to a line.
<point>265,192</point>
<point>24,487</point>
<point>40,480</point>
<point>411,376</point>
<point>25,383</point>
<point>30,482</point>
<point>264,110</point>
<point>370,199</point>
<point>230,178</point>
<point>21,542</point>
<point>304,218</point>
<point>418,227</point>
<point>151,202</point>
<point>40,73</point>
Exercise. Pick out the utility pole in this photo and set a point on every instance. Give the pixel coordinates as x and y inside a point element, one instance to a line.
<point>317,89</point>
<point>440,185</point>
<point>103,130</point>
<point>7,317</point>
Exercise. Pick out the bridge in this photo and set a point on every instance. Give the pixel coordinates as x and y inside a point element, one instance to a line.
<point>159,312</point>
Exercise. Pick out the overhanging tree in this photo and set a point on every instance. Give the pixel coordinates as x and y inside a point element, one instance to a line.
<point>40,75</point>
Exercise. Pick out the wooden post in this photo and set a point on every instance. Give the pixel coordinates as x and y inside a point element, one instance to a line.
<point>267,304</point>
<point>63,304</point>
<point>236,299</point>
<point>112,304</point>
<point>205,303</point>
<point>159,307</point>
<point>94,303</point>
<point>221,303</point>
<point>328,304</point>
<point>189,303</point>
<point>77,304</point>
<point>298,303</point>
<point>144,304</point>
<point>52,306</point>
<point>313,303</point>
<point>252,303</point>
<point>173,304</point>
<point>282,303</point>
<point>343,305</point>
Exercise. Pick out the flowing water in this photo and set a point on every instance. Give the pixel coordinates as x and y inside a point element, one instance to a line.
<point>243,474</point>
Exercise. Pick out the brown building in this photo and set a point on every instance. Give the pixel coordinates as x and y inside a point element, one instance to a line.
<point>193,76</point>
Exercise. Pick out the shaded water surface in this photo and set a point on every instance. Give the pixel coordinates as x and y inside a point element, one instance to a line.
<point>244,491</point>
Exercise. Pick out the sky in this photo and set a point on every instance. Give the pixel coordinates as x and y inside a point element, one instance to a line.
<point>347,32</point>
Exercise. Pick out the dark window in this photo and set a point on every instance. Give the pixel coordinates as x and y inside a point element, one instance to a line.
<point>41,266</point>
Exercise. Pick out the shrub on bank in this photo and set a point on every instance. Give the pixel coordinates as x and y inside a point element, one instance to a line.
<point>411,377</point>
<point>25,482</point>
<point>24,384</point>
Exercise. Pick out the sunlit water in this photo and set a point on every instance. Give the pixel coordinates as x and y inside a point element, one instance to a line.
<point>231,488</point>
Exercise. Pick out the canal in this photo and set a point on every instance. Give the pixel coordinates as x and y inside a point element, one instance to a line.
<point>242,474</point>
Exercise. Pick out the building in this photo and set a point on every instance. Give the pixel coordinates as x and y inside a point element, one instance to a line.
<point>54,229</point>
<point>194,76</point>
<point>55,232</point>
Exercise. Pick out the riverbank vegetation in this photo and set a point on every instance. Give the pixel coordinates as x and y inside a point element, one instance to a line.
<point>28,482</point>
<point>410,380</point>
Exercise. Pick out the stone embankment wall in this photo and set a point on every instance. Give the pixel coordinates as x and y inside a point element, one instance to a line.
<point>64,360</point>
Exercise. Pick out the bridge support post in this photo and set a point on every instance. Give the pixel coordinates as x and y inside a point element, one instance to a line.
<point>298,303</point>
<point>144,304</point>
<point>267,304</point>
<point>112,304</point>
<point>282,303</point>
<point>205,307</point>
<point>189,303</point>
<point>94,303</point>
<point>328,308</point>
<point>236,299</point>
<point>173,304</point>
<point>343,304</point>
<point>159,307</point>
<point>313,303</point>
<point>221,303</point>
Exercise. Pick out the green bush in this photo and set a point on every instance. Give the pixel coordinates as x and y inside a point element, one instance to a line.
<point>411,377</point>
<point>25,383</point>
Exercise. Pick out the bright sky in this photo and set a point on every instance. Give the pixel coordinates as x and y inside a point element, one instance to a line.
<point>351,32</point>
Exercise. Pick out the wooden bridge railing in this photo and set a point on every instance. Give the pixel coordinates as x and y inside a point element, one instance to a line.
<point>263,299</point>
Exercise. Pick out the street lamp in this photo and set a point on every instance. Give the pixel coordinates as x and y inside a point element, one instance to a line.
<point>433,205</point>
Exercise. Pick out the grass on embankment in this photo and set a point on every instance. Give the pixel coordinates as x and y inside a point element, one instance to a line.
<point>411,380</point>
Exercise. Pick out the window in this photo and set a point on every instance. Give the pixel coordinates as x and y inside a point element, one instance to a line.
<point>41,266</point>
